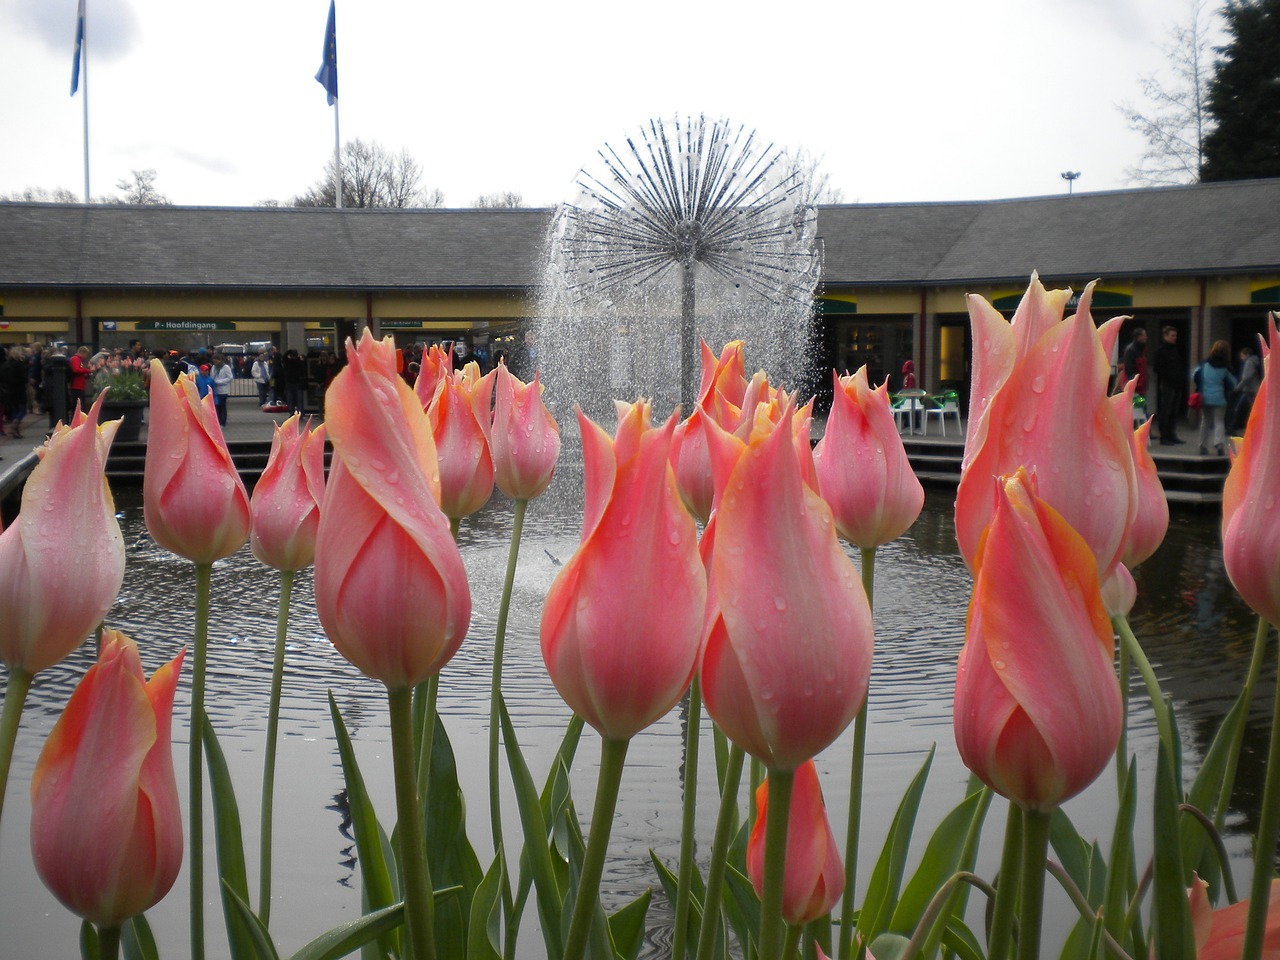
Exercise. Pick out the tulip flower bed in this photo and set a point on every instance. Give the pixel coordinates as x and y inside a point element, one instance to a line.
<point>713,564</point>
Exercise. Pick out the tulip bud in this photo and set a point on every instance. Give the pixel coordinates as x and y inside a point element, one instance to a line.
<point>719,396</point>
<point>286,500</point>
<point>194,501</point>
<point>459,417</point>
<point>814,876</point>
<point>525,437</point>
<point>617,665</point>
<point>1043,405</point>
<point>862,467</point>
<point>788,649</point>
<point>1037,705</point>
<point>106,828</point>
<point>1250,502</point>
<point>62,560</point>
<point>390,586</point>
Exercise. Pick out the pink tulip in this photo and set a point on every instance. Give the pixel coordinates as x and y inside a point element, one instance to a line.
<point>1151,521</point>
<point>814,876</point>
<point>1251,501</point>
<point>459,417</point>
<point>1039,400</point>
<point>390,586</point>
<point>720,397</point>
<point>862,467</point>
<point>788,651</point>
<point>618,663</point>
<point>436,367</point>
<point>286,500</point>
<point>106,828</point>
<point>1037,705</point>
<point>62,560</point>
<point>1219,934</point>
<point>525,437</point>
<point>194,501</point>
<point>1119,592</point>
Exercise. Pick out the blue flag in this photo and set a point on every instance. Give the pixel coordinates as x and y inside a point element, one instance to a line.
<point>75,67</point>
<point>328,75</point>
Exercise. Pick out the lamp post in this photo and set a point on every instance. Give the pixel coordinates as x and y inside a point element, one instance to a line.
<point>1071,176</point>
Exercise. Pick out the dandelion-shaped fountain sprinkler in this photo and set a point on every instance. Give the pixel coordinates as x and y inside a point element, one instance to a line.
<point>702,205</point>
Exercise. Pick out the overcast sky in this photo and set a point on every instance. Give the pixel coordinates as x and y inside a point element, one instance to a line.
<point>902,101</point>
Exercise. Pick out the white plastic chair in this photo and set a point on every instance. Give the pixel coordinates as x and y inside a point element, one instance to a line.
<point>950,406</point>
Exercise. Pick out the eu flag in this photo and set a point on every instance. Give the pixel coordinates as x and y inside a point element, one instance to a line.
<point>328,75</point>
<point>75,67</point>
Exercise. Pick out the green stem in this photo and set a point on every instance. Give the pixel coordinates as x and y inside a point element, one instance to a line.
<point>15,697</point>
<point>790,941</point>
<point>195,758</point>
<point>857,767</point>
<point>693,729</point>
<point>726,826</point>
<point>269,762</point>
<point>775,862</point>
<point>1264,847</point>
<point>1035,851</point>
<point>426,695</point>
<point>1006,904</point>
<point>418,906</point>
<point>109,942</point>
<point>1164,723</point>
<point>1233,756</point>
<point>613,756</point>
<point>1122,746</point>
<point>495,692</point>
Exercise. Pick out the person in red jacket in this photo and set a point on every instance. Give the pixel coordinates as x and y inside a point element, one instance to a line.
<point>79,379</point>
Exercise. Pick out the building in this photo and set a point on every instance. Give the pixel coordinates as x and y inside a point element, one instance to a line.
<point>1205,259</point>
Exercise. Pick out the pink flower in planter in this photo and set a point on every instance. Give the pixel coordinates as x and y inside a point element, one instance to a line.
<point>525,438</point>
<point>459,417</point>
<point>1219,934</point>
<point>720,397</point>
<point>437,366</point>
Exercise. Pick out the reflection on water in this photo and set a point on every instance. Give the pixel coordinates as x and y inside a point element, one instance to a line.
<point>1197,634</point>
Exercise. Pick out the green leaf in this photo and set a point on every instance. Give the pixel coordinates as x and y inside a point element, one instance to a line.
<point>626,927</point>
<point>137,940</point>
<point>697,893</point>
<point>959,939</point>
<point>346,937</point>
<point>1120,880</point>
<point>534,826</point>
<point>484,938</point>
<point>242,935</point>
<point>257,943</point>
<point>889,946</point>
<point>452,858</point>
<point>377,891</point>
<point>1198,854</point>
<point>941,859</point>
<point>886,878</point>
<point>741,905</point>
<point>1073,852</point>
<point>1171,917</point>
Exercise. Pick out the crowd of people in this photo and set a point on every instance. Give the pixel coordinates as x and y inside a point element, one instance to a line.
<point>1221,394</point>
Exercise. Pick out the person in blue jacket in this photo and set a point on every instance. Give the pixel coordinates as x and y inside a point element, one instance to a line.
<point>1216,381</point>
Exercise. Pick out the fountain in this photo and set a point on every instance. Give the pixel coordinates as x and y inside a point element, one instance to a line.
<point>696,229</point>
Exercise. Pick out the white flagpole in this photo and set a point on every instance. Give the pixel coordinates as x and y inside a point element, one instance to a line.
<point>84,67</point>
<point>337,155</point>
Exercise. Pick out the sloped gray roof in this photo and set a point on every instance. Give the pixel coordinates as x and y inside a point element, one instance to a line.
<point>1206,229</point>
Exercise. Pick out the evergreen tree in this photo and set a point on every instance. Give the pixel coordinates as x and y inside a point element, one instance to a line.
<point>1244,95</point>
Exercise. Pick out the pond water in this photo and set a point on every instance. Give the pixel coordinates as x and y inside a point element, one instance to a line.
<point>1196,632</point>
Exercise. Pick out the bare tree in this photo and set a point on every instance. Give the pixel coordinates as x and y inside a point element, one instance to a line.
<point>41,195</point>
<point>509,199</point>
<point>372,176</point>
<point>141,190</point>
<point>1174,119</point>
